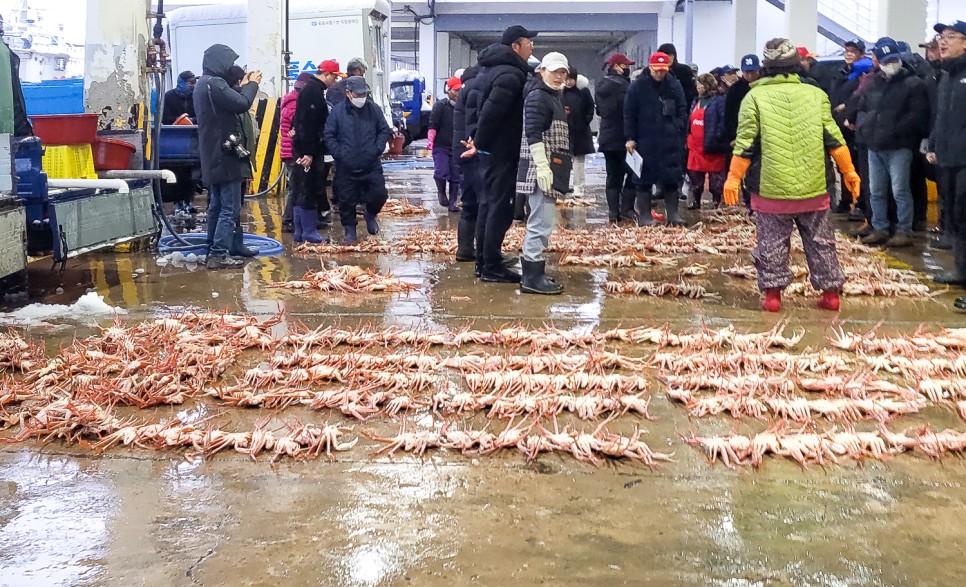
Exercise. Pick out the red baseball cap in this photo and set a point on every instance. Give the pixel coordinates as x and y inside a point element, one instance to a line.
<point>660,61</point>
<point>330,66</point>
<point>454,83</point>
<point>805,54</point>
<point>619,59</point>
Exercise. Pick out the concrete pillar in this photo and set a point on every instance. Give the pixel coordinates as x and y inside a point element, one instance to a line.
<point>443,71</point>
<point>746,29</point>
<point>801,22</point>
<point>265,32</point>
<point>903,20</point>
<point>117,43</point>
<point>427,52</point>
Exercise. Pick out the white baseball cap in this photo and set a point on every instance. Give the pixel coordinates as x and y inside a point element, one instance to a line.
<point>554,61</point>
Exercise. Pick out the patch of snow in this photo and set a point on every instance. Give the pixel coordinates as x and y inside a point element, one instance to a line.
<point>90,305</point>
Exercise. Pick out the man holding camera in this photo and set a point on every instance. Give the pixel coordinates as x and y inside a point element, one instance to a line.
<point>225,162</point>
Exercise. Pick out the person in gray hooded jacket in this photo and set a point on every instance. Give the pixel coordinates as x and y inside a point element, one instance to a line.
<point>225,161</point>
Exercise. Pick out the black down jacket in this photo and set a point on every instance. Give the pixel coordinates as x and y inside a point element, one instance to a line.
<point>611,92</point>
<point>356,137</point>
<point>948,139</point>
<point>441,120</point>
<point>736,94</point>
<point>219,108</point>
<point>893,113</point>
<point>176,105</point>
<point>656,118</point>
<point>311,114</point>
<point>500,120</point>
<point>466,103</point>
<point>579,105</point>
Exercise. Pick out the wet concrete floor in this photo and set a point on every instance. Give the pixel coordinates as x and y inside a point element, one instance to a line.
<point>70,517</point>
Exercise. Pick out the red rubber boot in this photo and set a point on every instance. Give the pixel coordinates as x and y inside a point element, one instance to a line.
<point>773,300</point>
<point>829,300</point>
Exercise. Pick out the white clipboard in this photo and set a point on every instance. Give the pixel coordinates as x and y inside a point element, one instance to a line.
<point>635,162</point>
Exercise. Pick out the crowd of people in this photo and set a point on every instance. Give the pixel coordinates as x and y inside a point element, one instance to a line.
<point>512,132</point>
<point>328,120</point>
<point>770,134</point>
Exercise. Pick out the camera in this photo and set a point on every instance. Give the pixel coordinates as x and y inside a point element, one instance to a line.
<point>233,146</point>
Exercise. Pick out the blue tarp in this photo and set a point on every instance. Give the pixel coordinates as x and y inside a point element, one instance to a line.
<point>54,97</point>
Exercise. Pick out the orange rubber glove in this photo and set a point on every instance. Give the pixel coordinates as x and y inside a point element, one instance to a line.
<point>851,179</point>
<point>732,187</point>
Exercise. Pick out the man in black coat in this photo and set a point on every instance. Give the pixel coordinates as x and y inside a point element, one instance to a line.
<point>893,115</point>
<point>947,145</point>
<point>308,149</point>
<point>356,135</point>
<point>655,123</point>
<point>750,72</point>
<point>225,162</point>
<point>177,103</point>
<point>503,74</point>
<point>464,127</point>
<point>579,105</point>
<point>682,72</point>
<point>357,67</point>
<point>611,92</point>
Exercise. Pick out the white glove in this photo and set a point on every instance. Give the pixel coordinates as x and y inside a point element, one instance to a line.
<point>542,163</point>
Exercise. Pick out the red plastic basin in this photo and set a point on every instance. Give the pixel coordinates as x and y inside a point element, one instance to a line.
<point>112,154</point>
<point>66,129</point>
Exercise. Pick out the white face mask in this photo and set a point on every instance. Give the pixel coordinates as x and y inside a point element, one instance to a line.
<point>891,68</point>
<point>358,102</point>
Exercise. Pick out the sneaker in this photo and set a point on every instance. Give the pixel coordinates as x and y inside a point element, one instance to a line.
<point>876,237</point>
<point>899,241</point>
<point>215,262</point>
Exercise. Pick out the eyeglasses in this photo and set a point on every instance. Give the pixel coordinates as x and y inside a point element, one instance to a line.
<point>952,36</point>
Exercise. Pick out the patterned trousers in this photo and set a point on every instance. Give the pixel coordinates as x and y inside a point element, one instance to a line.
<point>774,249</point>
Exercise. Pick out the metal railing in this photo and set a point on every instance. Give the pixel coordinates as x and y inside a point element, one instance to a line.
<point>860,16</point>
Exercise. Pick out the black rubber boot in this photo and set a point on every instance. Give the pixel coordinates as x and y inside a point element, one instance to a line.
<point>350,238</point>
<point>372,223</point>
<point>627,197</point>
<point>238,248</point>
<point>499,274</point>
<point>644,217</point>
<point>310,226</point>
<point>614,205</point>
<point>696,194</point>
<point>671,203</point>
<point>535,280</point>
<point>441,193</point>
<point>465,233</point>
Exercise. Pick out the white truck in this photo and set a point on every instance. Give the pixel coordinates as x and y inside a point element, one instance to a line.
<point>318,30</point>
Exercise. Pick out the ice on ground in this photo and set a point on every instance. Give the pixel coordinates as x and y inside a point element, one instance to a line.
<point>90,305</point>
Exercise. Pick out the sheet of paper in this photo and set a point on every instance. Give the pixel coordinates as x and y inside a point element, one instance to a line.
<point>635,162</point>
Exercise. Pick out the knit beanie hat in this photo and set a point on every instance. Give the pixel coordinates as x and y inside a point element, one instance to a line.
<point>781,53</point>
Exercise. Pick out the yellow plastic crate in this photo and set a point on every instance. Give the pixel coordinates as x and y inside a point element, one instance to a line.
<point>69,162</point>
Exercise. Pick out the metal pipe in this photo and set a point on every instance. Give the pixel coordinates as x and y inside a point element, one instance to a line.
<point>101,184</point>
<point>165,174</point>
<point>689,32</point>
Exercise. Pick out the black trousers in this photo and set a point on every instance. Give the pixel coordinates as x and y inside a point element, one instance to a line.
<point>472,184</point>
<point>308,186</point>
<point>499,180</point>
<point>359,187</point>
<point>618,175</point>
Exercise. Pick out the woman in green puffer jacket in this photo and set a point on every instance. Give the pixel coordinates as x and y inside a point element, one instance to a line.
<point>785,128</point>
